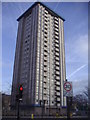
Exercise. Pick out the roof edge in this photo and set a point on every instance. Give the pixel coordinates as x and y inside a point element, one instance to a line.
<point>42,5</point>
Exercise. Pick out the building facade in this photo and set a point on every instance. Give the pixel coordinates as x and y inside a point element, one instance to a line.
<point>40,57</point>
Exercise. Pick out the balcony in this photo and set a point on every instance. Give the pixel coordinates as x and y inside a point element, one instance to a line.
<point>57,89</point>
<point>45,50</point>
<point>56,64</point>
<point>45,63</point>
<point>57,68</point>
<point>45,68</point>
<point>45,23</point>
<point>56,37</point>
<point>45,40</point>
<point>45,59</point>
<point>56,33</point>
<point>46,15</point>
<point>57,83</point>
<point>57,95</point>
<point>57,46</point>
<point>45,81</point>
<point>45,19</point>
<point>45,26</point>
<point>45,55</point>
<point>58,99</point>
<point>56,18</point>
<point>56,22</point>
<point>56,29</point>
<point>57,58</point>
<point>56,25</point>
<point>56,55</point>
<point>57,72</point>
<point>57,78</point>
<point>44,97</point>
<point>45,86</point>
<point>56,49</point>
<point>45,45</point>
<point>45,35</point>
<point>46,11</point>
<point>45,31</point>
<point>45,75</point>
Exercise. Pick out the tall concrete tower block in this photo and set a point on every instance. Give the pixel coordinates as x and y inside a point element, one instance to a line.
<point>40,57</point>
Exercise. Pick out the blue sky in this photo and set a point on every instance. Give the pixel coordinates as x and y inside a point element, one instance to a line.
<point>75,35</point>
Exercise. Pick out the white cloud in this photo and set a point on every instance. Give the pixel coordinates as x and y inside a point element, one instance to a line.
<point>78,69</point>
<point>81,46</point>
<point>77,49</point>
<point>79,86</point>
<point>77,59</point>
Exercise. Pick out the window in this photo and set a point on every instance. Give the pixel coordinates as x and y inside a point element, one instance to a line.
<point>45,45</point>
<point>45,55</point>
<point>45,50</point>
<point>28,35</point>
<point>45,32</point>
<point>45,60</point>
<point>26,41</point>
<point>27,48</point>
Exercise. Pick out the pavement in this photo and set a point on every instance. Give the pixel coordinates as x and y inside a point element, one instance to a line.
<point>44,118</point>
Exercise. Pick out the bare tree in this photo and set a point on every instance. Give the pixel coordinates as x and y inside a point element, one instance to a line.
<point>86,91</point>
<point>80,104</point>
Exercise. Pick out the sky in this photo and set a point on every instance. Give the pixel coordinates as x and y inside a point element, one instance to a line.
<point>75,37</point>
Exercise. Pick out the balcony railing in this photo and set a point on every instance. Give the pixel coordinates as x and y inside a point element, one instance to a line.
<point>56,22</point>
<point>56,37</point>
<point>56,49</point>
<point>56,25</point>
<point>56,29</point>
<point>56,18</point>
<point>57,83</point>
<point>56,33</point>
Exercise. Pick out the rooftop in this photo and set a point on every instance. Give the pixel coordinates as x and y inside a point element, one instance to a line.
<point>48,9</point>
